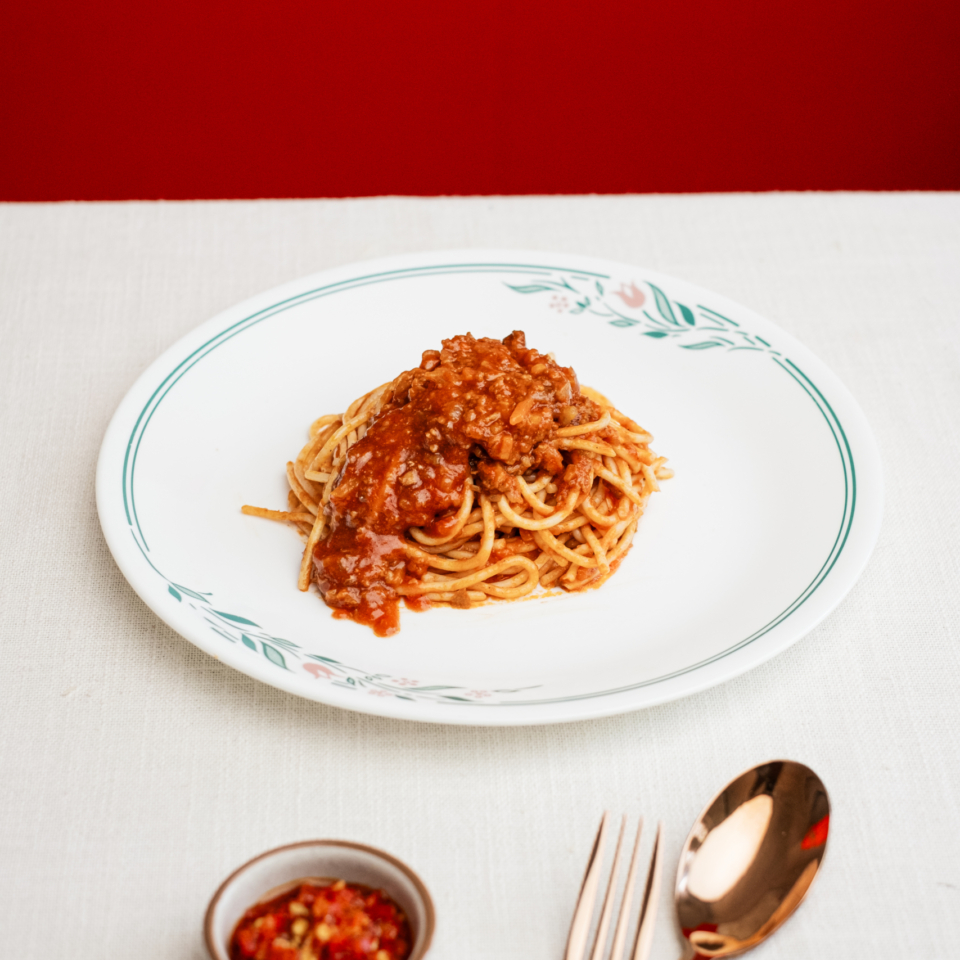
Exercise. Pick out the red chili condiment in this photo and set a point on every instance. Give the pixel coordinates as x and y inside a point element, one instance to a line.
<point>311,922</point>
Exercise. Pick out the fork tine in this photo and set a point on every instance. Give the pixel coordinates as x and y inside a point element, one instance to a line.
<point>651,897</point>
<point>583,914</point>
<point>604,925</point>
<point>620,938</point>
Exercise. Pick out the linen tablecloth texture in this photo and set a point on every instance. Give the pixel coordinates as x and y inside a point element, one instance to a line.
<point>136,771</point>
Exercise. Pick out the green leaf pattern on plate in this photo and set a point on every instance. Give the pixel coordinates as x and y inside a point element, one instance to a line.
<point>228,626</point>
<point>692,328</point>
<point>278,651</point>
<point>384,685</point>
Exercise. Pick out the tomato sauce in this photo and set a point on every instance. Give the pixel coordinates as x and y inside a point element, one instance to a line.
<point>477,408</point>
<point>314,922</point>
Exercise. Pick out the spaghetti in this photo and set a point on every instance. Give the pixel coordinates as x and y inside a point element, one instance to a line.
<point>483,473</point>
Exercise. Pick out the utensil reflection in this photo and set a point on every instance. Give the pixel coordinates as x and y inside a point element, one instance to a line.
<point>751,857</point>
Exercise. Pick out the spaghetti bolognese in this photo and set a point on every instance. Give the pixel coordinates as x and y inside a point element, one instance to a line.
<point>484,473</point>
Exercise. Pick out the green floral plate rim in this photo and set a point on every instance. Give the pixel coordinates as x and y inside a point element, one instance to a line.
<point>638,302</point>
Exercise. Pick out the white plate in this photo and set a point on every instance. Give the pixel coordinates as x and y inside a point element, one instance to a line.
<point>771,517</point>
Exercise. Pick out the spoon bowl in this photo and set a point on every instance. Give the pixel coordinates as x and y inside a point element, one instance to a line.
<point>751,857</point>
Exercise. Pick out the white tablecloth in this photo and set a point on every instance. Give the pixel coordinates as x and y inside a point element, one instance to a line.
<point>136,771</point>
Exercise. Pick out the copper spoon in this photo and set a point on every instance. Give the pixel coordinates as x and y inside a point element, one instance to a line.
<point>751,857</point>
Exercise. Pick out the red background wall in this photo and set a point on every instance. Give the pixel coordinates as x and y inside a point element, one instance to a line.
<point>282,98</point>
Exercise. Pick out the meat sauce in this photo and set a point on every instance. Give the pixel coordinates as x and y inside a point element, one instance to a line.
<point>312,921</point>
<point>477,409</point>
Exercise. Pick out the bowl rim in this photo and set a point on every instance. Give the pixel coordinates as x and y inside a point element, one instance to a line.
<point>419,950</point>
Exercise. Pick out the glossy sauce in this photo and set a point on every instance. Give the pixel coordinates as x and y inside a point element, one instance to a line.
<point>315,922</point>
<point>484,409</point>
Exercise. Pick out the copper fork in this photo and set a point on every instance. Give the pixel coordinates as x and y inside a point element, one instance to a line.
<point>583,914</point>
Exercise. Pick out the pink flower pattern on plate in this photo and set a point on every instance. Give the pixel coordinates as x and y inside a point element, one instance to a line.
<point>319,670</point>
<point>632,296</point>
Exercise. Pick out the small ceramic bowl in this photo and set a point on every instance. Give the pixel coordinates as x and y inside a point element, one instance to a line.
<point>275,871</point>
